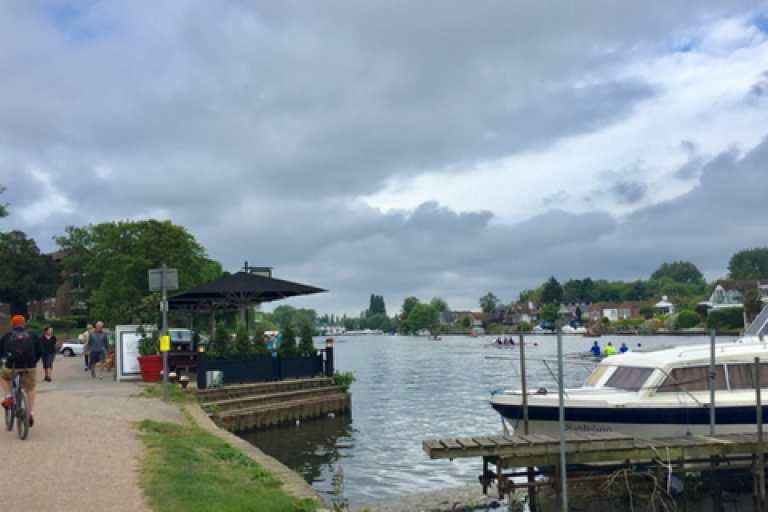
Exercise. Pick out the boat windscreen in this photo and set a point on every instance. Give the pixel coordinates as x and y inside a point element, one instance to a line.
<point>629,378</point>
<point>595,377</point>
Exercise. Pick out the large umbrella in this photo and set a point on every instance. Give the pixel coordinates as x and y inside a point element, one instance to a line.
<point>238,291</point>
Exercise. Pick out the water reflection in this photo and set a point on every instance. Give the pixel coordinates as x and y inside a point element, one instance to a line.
<point>314,445</point>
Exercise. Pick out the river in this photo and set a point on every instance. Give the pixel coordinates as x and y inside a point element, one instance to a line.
<point>412,388</point>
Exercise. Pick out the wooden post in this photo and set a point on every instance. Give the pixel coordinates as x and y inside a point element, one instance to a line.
<point>329,357</point>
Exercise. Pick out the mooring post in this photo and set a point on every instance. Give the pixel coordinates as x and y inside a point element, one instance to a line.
<point>329,357</point>
<point>201,367</point>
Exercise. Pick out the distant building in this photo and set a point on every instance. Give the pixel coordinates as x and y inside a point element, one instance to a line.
<point>730,293</point>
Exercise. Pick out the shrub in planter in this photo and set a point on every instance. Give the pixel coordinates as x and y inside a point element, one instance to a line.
<point>149,344</point>
<point>221,344</point>
<point>306,344</point>
<point>287,343</point>
<point>259,343</point>
<point>242,346</point>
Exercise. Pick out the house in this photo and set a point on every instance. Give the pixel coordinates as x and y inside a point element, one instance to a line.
<point>730,293</point>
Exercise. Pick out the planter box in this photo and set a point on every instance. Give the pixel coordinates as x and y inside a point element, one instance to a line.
<point>151,368</point>
<point>292,367</point>
<point>247,370</point>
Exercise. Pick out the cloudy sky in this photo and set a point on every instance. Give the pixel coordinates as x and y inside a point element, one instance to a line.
<point>434,149</point>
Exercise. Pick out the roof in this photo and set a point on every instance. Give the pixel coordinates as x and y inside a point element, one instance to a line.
<point>738,284</point>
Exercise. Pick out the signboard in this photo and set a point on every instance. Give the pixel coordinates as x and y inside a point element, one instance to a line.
<point>127,351</point>
<point>158,275</point>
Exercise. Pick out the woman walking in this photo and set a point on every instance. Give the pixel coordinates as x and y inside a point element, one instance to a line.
<point>48,342</point>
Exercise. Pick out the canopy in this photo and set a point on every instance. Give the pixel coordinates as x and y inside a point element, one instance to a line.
<point>239,290</point>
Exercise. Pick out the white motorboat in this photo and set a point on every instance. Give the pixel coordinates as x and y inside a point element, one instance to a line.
<point>655,393</point>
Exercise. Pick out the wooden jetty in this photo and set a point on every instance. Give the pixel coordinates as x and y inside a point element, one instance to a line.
<point>541,455</point>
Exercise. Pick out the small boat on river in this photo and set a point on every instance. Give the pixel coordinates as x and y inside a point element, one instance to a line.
<point>655,393</point>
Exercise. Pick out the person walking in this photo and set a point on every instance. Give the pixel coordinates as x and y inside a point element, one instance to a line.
<point>97,347</point>
<point>48,344</point>
<point>21,349</point>
<point>84,339</point>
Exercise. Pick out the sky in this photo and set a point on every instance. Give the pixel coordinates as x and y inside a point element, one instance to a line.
<point>430,149</point>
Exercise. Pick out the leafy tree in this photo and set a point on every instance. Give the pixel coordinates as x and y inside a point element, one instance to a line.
<point>379,322</point>
<point>549,312</point>
<point>439,304</point>
<point>679,272</point>
<point>588,290</point>
<point>113,259</point>
<point>221,344</point>
<point>283,315</point>
<point>466,321</point>
<point>605,291</point>
<point>749,264</point>
<point>422,316</point>
<point>376,306</point>
<point>524,296</point>
<point>647,310</point>
<point>552,291</point>
<point>242,346</point>
<point>572,291</point>
<point>726,318</point>
<point>306,344</point>
<point>488,302</point>
<point>634,291</point>
<point>260,348</point>
<point>408,305</point>
<point>578,313</point>
<point>25,274</point>
<point>3,207</point>
<point>288,343</point>
<point>752,304</point>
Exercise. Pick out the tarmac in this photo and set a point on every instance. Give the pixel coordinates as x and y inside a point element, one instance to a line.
<point>83,452</point>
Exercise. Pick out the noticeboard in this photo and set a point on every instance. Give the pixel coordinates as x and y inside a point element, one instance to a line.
<point>158,275</point>
<point>127,351</point>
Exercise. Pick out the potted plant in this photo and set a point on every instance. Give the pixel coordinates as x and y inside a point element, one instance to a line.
<point>150,360</point>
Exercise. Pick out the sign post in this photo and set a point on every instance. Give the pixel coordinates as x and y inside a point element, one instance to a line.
<point>162,280</point>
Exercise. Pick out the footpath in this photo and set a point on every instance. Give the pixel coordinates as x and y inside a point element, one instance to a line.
<point>83,452</point>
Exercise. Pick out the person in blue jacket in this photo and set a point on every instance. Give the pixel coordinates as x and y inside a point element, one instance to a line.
<point>623,348</point>
<point>596,349</point>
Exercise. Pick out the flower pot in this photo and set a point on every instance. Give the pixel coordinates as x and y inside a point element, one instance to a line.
<point>151,368</point>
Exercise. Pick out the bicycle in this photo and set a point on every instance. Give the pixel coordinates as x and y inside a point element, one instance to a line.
<point>18,411</point>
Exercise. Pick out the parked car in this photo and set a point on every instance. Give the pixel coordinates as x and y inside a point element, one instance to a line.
<point>184,339</point>
<point>72,347</point>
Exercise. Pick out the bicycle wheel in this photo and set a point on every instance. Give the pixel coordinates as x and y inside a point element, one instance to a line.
<point>22,409</point>
<point>10,413</point>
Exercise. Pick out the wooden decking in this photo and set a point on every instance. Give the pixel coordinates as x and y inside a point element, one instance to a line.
<point>585,448</point>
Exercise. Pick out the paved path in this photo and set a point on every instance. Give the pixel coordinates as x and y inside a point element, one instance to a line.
<point>83,452</point>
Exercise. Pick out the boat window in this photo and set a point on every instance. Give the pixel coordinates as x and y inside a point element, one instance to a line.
<point>595,377</point>
<point>742,376</point>
<point>692,378</point>
<point>629,378</point>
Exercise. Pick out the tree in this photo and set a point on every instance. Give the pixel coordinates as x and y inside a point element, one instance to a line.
<point>588,290</point>
<point>25,274</point>
<point>524,296</point>
<point>422,316</point>
<point>634,291</point>
<point>488,302</point>
<point>379,322</point>
<point>439,304</point>
<point>288,343</point>
<point>549,313</point>
<point>376,306</point>
<point>408,305</point>
<point>679,272</point>
<point>3,207</point>
<point>752,304</point>
<point>306,343</point>
<point>113,259</point>
<point>749,264</point>
<point>572,291</point>
<point>552,292</point>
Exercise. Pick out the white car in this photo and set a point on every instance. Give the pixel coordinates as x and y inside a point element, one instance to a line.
<point>72,347</point>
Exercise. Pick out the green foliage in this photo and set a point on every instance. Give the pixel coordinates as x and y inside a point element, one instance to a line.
<point>260,348</point>
<point>110,262</point>
<point>306,344</point>
<point>408,304</point>
<point>423,316</point>
<point>727,318</point>
<point>149,343</point>
<point>439,304</point>
<point>552,292</point>
<point>679,272</point>
<point>3,207</point>
<point>466,321</point>
<point>25,274</point>
<point>288,343</point>
<point>344,380</point>
<point>753,303</point>
<point>523,327</point>
<point>629,324</point>
<point>749,264</point>
<point>242,346</point>
<point>376,306</point>
<point>379,322</point>
<point>671,322</point>
<point>488,302</point>
<point>221,344</point>
<point>549,312</point>
<point>687,319</point>
<point>647,310</point>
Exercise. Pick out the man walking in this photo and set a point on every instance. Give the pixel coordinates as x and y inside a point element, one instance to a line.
<point>84,339</point>
<point>97,347</point>
<point>22,351</point>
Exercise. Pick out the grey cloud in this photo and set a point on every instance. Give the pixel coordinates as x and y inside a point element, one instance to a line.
<point>629,192</point>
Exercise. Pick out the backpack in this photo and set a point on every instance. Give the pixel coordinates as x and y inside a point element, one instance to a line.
<point>22,346</point>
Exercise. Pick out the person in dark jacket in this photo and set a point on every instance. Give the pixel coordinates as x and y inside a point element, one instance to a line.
<point>15,364</point>
<point>48,343</point>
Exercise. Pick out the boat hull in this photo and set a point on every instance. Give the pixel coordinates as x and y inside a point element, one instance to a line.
<point>644,422</point>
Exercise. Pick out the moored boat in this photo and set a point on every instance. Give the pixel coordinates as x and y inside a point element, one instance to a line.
<point>654,393</point>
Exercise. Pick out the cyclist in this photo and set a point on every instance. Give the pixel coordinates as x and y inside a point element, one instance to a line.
<point>22,351</point>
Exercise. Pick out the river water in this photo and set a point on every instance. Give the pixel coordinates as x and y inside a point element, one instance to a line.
<point>412,388</point>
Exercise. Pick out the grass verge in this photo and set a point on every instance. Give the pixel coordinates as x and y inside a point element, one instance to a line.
<point>188,468</point>
<point>176,393</point>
